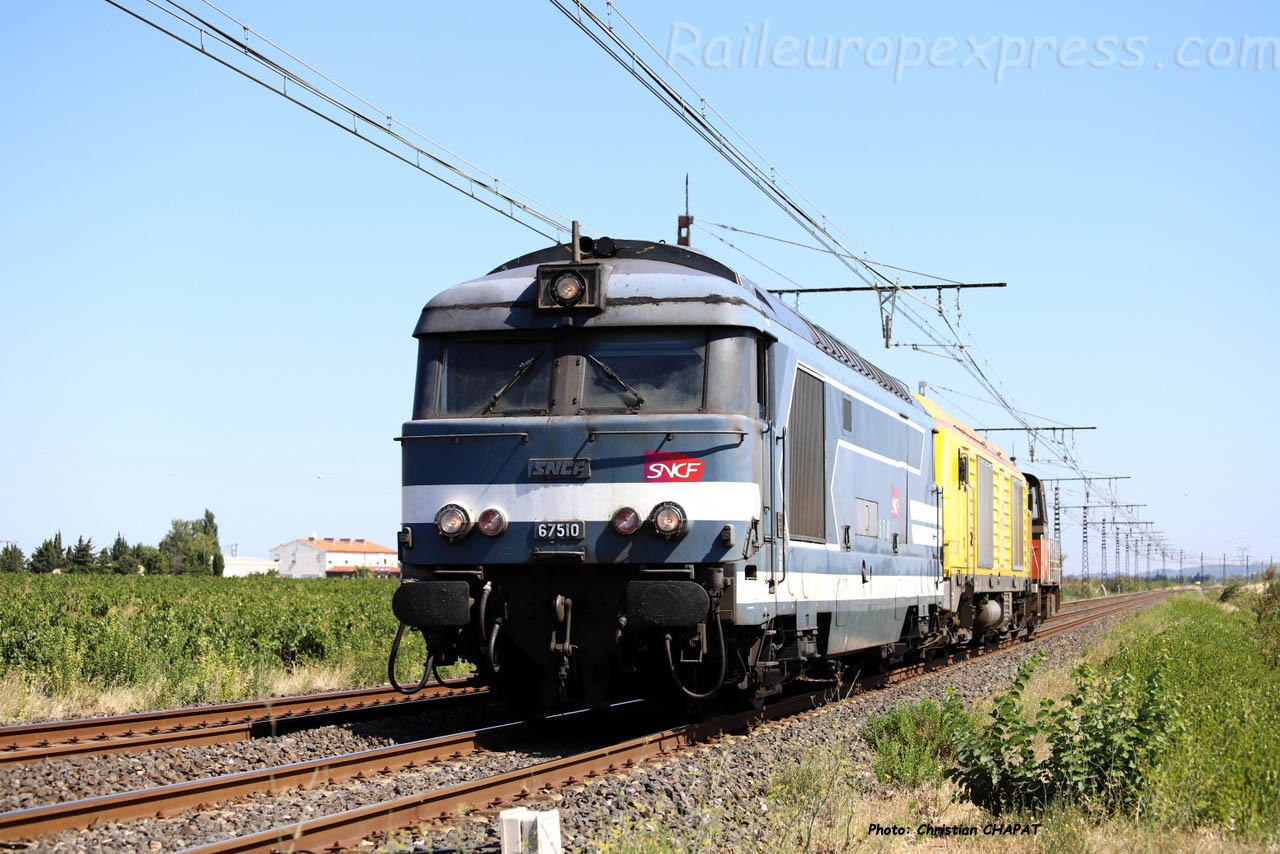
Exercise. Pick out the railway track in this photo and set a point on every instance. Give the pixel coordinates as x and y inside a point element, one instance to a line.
<point>351,827</point>
<point>215,724</point>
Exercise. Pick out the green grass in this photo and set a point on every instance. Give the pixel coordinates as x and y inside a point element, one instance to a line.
<point>1178,726</point>
<point>1214,787</point>
<point>180,640</point>
<point>1224,769</point>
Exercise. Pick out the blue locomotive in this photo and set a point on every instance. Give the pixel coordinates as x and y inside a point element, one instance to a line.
<point>630,471</point>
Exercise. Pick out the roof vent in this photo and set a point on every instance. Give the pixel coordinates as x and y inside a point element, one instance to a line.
<point>842,352</point>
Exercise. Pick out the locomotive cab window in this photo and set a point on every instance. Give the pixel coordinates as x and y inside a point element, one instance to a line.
<point>645,371</point>
<point>600,371</point>
<point>495,376</point>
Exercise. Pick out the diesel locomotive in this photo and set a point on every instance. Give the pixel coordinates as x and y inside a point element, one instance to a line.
<point>631,472</point>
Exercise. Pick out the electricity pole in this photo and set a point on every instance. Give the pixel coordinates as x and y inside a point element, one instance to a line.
<point>1057,495</point>
<point>1102,552</point>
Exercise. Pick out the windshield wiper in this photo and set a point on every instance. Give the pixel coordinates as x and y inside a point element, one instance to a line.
<point>608,372</point>
<point>515,378</point>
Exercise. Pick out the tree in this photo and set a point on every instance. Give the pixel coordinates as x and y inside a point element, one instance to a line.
<point>81,555</point>
<point>210,529</point>
<point>191,547</point>
<point>122,560</point>
<point>150,559</point>
<point>48,556</point>
<point>12,559</point>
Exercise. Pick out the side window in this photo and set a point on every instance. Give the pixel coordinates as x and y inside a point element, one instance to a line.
<point>846,415</point>
<point>762,377</point>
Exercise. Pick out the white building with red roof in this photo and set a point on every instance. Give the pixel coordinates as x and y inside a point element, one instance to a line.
<point>320,557</point>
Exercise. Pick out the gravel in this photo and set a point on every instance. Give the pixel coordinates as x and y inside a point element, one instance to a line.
<point>723,782</point>
<point>717,792</point>
<point>56,780</point>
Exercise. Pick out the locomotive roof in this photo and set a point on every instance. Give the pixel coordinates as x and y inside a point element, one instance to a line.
<point>649,284</point>
<point>683,256</point>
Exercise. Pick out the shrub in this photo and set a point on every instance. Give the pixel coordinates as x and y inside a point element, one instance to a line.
<point>910,744</point>
<point>1102,739</point>
<point>995,765</point>
<point>1106,736</point>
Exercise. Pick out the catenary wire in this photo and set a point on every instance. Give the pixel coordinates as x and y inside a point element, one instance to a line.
<point>449,174</point>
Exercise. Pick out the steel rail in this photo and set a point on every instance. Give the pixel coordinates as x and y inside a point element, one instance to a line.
<point>354,825</point>
<point>169,800</point>
<point>1081,606</point>
<point>197,725</point>
<point>350,828</point>
<point>221,722</point>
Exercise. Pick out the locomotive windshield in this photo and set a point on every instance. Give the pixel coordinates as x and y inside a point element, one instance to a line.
<point>496,376</point>
<point>619,370</point>
<point>654,371</point>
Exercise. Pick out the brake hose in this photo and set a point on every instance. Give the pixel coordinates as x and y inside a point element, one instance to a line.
<point>427,669</point>
<point>724,662</point>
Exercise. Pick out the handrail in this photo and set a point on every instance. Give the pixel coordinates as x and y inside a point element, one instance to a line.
<point>524,437</point>
<point>591,436</point>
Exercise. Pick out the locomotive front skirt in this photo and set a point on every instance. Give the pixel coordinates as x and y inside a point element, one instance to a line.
<point>638,474</point>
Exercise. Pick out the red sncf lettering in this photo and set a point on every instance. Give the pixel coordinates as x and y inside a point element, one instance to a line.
<point>665,466</point>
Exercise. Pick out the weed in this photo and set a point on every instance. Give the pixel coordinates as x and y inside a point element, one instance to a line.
<point>911,746</point>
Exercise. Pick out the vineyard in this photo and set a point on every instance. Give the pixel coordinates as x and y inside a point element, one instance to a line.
<point>67,642</point>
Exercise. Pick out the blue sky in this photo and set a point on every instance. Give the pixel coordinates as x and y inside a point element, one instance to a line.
<point>208,294</point>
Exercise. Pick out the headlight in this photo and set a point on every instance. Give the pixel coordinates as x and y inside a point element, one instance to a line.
<point>626,521</point>
<point>453,522</point>
<point>669,519</point>
<point>492,522</point>
<point>568,288</point>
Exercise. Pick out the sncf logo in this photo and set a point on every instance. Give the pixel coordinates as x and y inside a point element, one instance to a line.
<point>666,466</point>
<point>560,468</point>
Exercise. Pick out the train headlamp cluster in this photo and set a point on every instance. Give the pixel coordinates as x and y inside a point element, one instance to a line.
<point>453,522</point>
<point>575,286</point>
<point>669,520</point>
